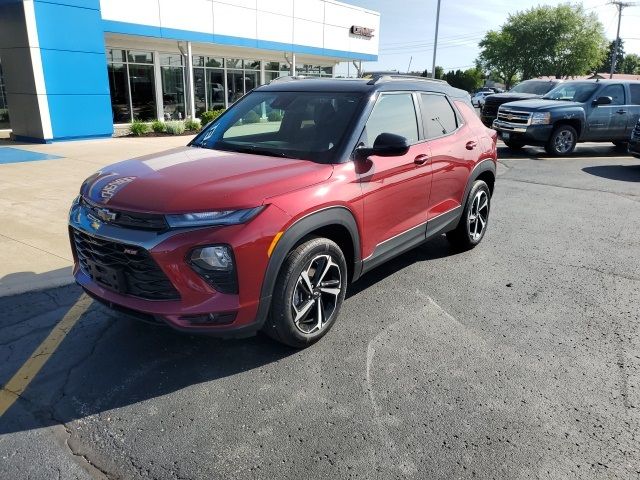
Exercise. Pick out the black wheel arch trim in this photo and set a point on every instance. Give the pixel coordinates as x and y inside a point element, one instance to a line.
<point>487,165</point>
<point>336,215</point>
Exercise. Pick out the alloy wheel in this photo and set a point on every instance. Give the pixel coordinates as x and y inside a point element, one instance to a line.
<point>478,215</point>
<point>316,294</point>
<point>563,141</point>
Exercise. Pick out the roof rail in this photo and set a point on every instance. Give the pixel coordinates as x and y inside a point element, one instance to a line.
<point>288,78</point>
<point>387,78</point>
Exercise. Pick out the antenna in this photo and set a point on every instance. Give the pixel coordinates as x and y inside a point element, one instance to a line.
<point>614,56</point>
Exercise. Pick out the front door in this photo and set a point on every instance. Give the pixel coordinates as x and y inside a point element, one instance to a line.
<point>609,122</point>
<point>395,189</point>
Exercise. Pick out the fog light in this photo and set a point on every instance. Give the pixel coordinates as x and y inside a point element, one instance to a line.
<point>218,257</point>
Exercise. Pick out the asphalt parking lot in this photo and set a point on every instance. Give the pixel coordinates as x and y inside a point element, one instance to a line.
<point>519,359</point>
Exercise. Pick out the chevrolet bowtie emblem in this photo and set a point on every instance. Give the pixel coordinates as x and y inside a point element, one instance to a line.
<point>106,215</point>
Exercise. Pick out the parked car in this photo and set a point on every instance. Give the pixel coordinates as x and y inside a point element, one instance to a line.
<point>523,91</point>
<point>634,142</point>
<point>576,111</point>
<point>245,230</point>
<point>477,100</point>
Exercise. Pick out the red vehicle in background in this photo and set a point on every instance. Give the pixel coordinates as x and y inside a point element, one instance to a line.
<point>300,188</point>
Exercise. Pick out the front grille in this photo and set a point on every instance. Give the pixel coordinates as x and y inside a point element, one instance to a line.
<point>490,109</point>
<point>514,116</point>
<point>140,221</point>
<point>125,269</point>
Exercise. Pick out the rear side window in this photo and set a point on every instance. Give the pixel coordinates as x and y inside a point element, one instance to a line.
<point>438,116</point>
<point>616,92</point>
<point>394,113</point>
<point>635,93</point>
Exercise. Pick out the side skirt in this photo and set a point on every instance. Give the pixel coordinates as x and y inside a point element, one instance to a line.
<point>412,238</point>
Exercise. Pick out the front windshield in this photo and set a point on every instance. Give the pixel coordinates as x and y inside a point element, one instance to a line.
<point>533,87</point>
<point>572,92</point>
<point>303,125</point>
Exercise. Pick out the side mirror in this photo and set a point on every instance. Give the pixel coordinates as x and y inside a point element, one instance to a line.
<point>385,145</point>
<point>602,101</point>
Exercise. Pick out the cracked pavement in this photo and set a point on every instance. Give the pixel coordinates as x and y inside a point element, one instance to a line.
<point>518,359</point>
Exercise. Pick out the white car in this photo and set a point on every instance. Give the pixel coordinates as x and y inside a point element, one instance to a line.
<point>477,100</point>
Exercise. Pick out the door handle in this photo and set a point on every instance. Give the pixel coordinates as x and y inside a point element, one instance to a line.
<point>471,145</point>
<point>421,159</point>
<point>621,112</point>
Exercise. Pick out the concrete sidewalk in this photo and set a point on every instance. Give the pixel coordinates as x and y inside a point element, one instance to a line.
<point>34,200</point>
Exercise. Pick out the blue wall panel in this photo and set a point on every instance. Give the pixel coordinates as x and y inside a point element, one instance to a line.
<point>75,67</point>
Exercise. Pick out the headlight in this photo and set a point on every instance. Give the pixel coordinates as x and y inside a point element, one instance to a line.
<point>541,118</point>
<point>221,217</point>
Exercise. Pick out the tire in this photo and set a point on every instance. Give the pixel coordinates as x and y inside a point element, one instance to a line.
<point>516,146</point>
<point>294,318</point>
<point>621,146</point>
<point>471,229</point>
<point>562,141</point>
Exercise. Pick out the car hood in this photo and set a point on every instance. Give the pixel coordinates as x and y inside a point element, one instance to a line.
<point>540,105</point>
<point>190,179</point>
<point>510,97</point>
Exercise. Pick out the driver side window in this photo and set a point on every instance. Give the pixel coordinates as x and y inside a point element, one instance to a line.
<point>616,92</point>
<point>393,113</point>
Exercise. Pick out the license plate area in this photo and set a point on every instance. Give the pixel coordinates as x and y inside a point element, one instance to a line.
<point>506,136</point>
<point>110,278</point>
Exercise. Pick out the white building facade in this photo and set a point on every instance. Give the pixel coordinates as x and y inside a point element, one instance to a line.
<point>74,68</point>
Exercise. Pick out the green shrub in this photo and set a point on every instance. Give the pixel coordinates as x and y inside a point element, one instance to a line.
<point>275,116</point>
<point>138,128</point>
<point>251,117</point>
<point>175,128</point>
<point>210,116</point>
<point>192,125</point>
<point>158,126</point>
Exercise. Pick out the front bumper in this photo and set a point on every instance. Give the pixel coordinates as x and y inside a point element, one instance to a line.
<point>529,134</point>
<point>197,299</point>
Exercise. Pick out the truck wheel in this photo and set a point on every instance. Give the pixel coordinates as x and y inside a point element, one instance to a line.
<point>562,141</point>
<point>514,145</point>
<point>621,146</point>
<point>308,293</point>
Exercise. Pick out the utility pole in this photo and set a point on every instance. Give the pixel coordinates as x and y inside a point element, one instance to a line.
<point>435,43</point>
<point>620,5</point>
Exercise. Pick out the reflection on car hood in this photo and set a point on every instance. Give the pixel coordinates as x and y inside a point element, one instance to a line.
<point>189,179</point>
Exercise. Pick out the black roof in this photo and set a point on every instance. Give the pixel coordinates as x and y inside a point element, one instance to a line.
<point>383,84</point>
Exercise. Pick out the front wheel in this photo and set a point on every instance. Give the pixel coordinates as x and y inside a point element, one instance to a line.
<point>514,145</point>
<point>308,293</point>
<point>621,146</point>
<point>475,217</point>
<point>562,141</point>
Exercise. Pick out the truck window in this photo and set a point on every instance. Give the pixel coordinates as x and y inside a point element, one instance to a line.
<point>616,92</point>
<point>635,93</point>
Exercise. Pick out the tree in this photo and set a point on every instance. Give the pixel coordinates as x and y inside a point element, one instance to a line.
<point>605,67</point>
<point>468,80</point>
<point>631,64</point>
<point>557,41</point>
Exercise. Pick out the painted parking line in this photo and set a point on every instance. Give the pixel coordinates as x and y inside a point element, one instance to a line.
<point>27,372</point>
<point>18,155</point>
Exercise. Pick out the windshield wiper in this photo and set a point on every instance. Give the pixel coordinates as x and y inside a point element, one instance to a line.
<point>258,151</point>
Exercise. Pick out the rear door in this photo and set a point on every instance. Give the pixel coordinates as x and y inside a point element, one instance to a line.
<point>634,107</point>
<point>454,149</point>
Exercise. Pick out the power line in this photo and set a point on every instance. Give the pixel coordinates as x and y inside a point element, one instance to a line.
<point>447,37</point>
<point>614,56</point>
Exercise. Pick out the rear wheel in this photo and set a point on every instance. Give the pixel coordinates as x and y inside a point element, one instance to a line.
<point>475,217</point>
<point>308,294</point>
<point>562,141</point>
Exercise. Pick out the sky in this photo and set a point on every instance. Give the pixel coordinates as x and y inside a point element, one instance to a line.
<point>408,26</point>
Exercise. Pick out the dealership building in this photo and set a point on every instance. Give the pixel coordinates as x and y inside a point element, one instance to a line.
<point>73,69</point>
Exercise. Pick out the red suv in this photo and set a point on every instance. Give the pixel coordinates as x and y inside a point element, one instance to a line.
<point>301,187</point>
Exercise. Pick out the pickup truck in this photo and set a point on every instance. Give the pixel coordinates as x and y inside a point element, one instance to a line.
<point>634,142</point>
<point>574,111</point>
<point>523,91</point>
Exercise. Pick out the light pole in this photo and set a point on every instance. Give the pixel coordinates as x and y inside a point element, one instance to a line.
<point>435,43</point>
<point>614,56</point>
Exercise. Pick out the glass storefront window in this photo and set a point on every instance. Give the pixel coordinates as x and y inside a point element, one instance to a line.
<point>139,57</point>
<point>171,59</point>
<point>234,63</point>
<point>235,85</point>
<point>200,92</point>
<point>4,107</point>
<point>173,99</point>
<point>252,64</point>
<point>215,62</point>
<point>142,87</point>
<point>198,61</point>
<point>119,87</point>
<point>270,76</point>
<point>215,88</point>
<point>115,55</point>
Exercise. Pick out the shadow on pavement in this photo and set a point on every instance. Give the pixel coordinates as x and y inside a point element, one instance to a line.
<point>19,282</point>
<point>625,173</point>
<point>108,361</point>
